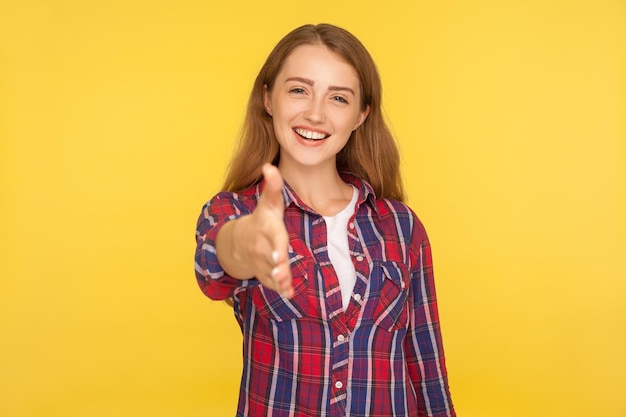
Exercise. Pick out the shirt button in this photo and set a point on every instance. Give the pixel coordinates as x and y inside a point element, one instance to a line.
<point>402,284</point>
<point>357,297</point>
<point>338,385</point>
<point>341,338</point>
<point>351,225</point>
<point>359,258</point>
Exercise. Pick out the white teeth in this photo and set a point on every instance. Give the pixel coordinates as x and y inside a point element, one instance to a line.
<point>310,135</point>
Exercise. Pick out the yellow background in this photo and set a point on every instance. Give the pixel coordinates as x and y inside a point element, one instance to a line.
<point>117,119</point>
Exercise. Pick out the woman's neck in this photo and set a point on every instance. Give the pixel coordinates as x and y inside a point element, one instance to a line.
<point>321,189</point>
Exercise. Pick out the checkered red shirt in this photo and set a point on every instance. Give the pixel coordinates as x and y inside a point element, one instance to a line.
<point>305,356</point>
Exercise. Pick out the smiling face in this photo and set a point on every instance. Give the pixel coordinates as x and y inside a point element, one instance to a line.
<point>315,104</point>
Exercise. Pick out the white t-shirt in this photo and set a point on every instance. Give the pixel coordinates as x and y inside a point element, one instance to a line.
<point>338,249</point>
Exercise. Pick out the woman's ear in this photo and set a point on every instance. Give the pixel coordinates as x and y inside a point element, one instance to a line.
<point>362,116</point>
<point>266,100</point>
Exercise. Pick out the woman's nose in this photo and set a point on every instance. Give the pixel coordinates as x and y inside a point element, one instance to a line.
<point>315,112</point>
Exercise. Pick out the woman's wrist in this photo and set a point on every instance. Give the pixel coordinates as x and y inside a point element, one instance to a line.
<point>230,253</point>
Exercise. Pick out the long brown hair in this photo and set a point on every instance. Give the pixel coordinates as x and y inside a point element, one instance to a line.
<point>371,152</point>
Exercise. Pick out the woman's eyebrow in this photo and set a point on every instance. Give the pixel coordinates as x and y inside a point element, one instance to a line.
<point>348,89</point>
<point>302,80</point>
<point>311,83</point>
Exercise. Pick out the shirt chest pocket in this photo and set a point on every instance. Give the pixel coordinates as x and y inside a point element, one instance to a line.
<point>387,298</point>
<point>271,305</point>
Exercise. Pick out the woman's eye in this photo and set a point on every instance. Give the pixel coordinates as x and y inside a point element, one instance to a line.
<point>297,90</point>
<point>340,99</point>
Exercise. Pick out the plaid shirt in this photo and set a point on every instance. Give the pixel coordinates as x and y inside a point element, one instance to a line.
<point>306,356</point>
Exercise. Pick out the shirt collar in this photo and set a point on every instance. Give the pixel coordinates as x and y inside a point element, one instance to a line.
<point>366,192</point>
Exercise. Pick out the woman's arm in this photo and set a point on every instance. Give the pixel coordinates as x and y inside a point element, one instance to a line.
<point>424,347</point>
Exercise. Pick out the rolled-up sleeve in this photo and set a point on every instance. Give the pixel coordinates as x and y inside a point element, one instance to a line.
<point>214,282</point>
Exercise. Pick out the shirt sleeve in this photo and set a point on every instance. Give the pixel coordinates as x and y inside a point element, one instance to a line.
<point>214,282</point>
<point>423,344</point>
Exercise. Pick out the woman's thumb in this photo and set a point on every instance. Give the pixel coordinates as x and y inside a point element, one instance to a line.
<point>273,191</point>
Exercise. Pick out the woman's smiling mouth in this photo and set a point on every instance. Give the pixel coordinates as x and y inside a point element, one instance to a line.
<point>310,135</point>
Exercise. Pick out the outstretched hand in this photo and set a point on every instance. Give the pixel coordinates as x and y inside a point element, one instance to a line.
<point>260,241</point>
<point>273,240</point>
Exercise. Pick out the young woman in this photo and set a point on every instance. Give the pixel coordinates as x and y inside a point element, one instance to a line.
<point>329,273</point>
